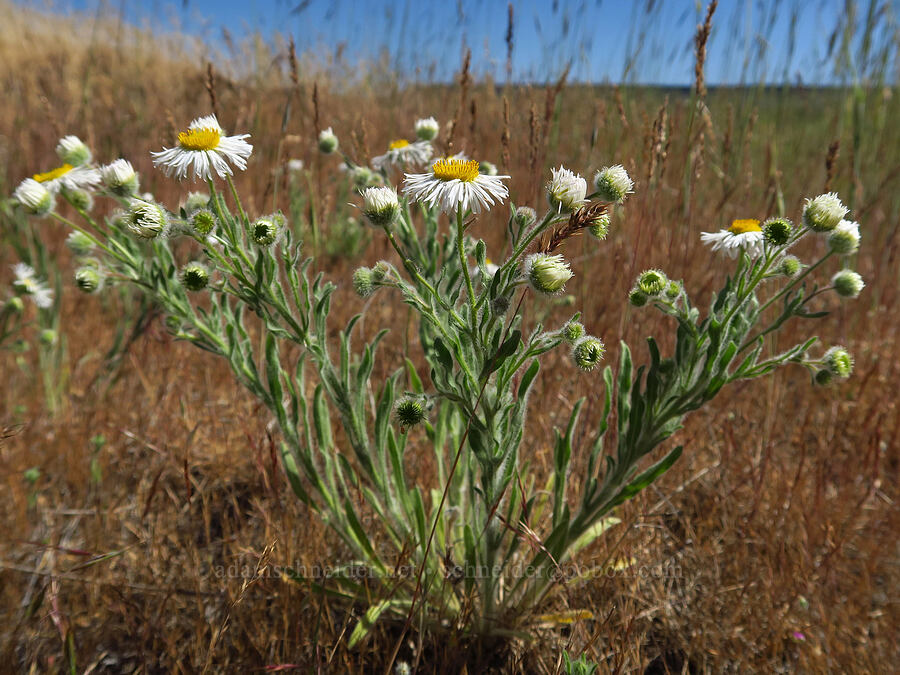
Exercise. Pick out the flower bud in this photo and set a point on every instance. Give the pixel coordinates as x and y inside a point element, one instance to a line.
<point>409,411</point>
<point>652,282</point>
<point>380,205</point>
<point>72,150</point>
<point>844,239</point>
<point>295,165</point>
<point>599,227</point>
<point>88,279</point>
<point>823,213</point>
<point>525,216</point>
<point>203,222</point>
<point>82,200</point>
<point>79,243</point>
<point>328,142</point>
<point>838,362</point>
<point>487,168</point>
<point>613,183</point>
<point>381,270</point>
<point>500,305</point>
<point>547,273</point>
<point>34,197</point>
<point>48,337</point>
<point>572,331</point>
<point>194,276</point>
<point>427,129</point>
<point>790,266</point>
<point>363,282</point>
<point>637,297</point>
<point>566,190</point>
<point>15,305</point>
<point>146,220</point>
<point>588,352</point>
<point>120,178</point>
<point>777,231</point>
<point>196,201</point>
<point>265,231</point>
<point>847,283</point>
<point>824,377</point>
<point>673,290</point>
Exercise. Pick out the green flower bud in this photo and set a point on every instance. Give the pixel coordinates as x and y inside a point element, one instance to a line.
<point>588,352</point>
<point>146,220</point>
<point>265,231</point>
<point>328,142</point>
<point>525,216</point>
<point>823,213</point>
<point>72,150</point>
<point>847,283</point>
<point>88,279</point>
<point>196,201</point>
<point>15,305</point>
<point>613,183</point>
<point>119,177</point>
<point>673,290</point>
<point>824,377</point>
<point>652,282</point>
<point>82,200</point>
<point>363,282</point>
<point>380,205</point>
<point>500,305</point>
<point>599,228</point>
<point>203,222</point>
<point>409,411</point>
<point>777,231</point>
<point>79,243</point>
<point>838,362</point>
<point>790,266</point>
<point>637,297</point>
<point>547,273</point>
<point>427,129</point>
<point>194,276</point>
<point>48,337</point>
<point>381,270</point>
<point>572,331</point>
<point>844,239</point>
<point>487,169</point>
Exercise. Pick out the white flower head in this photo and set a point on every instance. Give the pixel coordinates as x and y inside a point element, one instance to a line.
<point>72,150</point>
<point>380,205</point>
<point>401,153</point>
<point>613,183</point>
<point>328,142</point>
<point>27,283</point>
<point>566,190</point>
<point>847,283</point>
<point>744,233</point>
<point>824,213</point>
<point>119,177</point>
<point>205,149</point>
<point>427,129</point>
<point>34,197</point>
<point>844,239</point>
<point>547,273</point>
<point>68,177</point>
<point>456,185</point>
<point>295,165</point>
<point>146,220</point>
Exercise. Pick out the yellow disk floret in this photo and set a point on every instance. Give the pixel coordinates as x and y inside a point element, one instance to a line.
<point>52,175</point>
<point>456,169</point>
<point>744,225</point>
<point>399,143</point>
<point>199,139</point>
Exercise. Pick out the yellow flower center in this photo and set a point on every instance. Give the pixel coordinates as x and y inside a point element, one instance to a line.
<point>52,175</point>
<point>399,143</point>
<point>744,225</point>
<point>456,169</point>
<point>199,139</point>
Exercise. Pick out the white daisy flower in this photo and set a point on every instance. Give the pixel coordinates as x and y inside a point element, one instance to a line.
<point>744,233</point>
<point>26,282</point>
<point>566,190</point>
<point>69,177</point>
<point>402,153</point>
<point>205,148</point>
<point>455,184</point>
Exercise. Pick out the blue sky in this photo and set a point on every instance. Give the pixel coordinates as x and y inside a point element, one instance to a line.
<point>642,41</point>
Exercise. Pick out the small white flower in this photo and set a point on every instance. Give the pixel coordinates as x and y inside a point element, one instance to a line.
<point>613,183</point>
<point>72,150</point>
<point>146,220</point>
<point>295,165</point>
<point>824,213</point>
<point>32,195</point>
<point>427,129</point>
<point>547,273</point>
<point>743,234</point>
<point>847,283</point>
<point>380,205</point>
<point>844,239</point>
<point>566,190</point>
<point>120,178</point>
<point>26,282</point>
<point>401,153</point>
<point>328,142</point>
<point>69,177</point>
<point>455,184</point>
<point>206,149</point>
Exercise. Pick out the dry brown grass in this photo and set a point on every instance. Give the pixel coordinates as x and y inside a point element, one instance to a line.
<point>781,517</point>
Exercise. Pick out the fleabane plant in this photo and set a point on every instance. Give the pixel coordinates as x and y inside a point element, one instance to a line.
<point>486,541</point>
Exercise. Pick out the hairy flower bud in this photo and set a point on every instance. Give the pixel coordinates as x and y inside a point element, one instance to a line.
<point>363,282</point>
<point>203,222</point>
<point>673,290</point>
<point>79,243</point>
<point>847,283</point>
<point>194,276</point>
<point>652,282</point>
<point>572,331</point>
<point>72,150</point>
<point>146,220</point>
<point>381,270</point>
<point>637,297</point>
<point>566,190</point>
<point>34,197</point>
<point>588,352</point>
<point>88,279</point>
<point>328,142</point>
<point>790,266</point>
<point>427,129</point>
<point>777,231</point>
<point>599,227</point>
<point>613,183</point>
<point>409,411</point>
<point>547,273</point>
<point>823,213</point>
<point>266,231</point>
<point>380,205</point>
<point>120,178</point>
<point>195,201</point>
<point>844,239</point>
<point>838,362</point>
<point>525,216</point>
